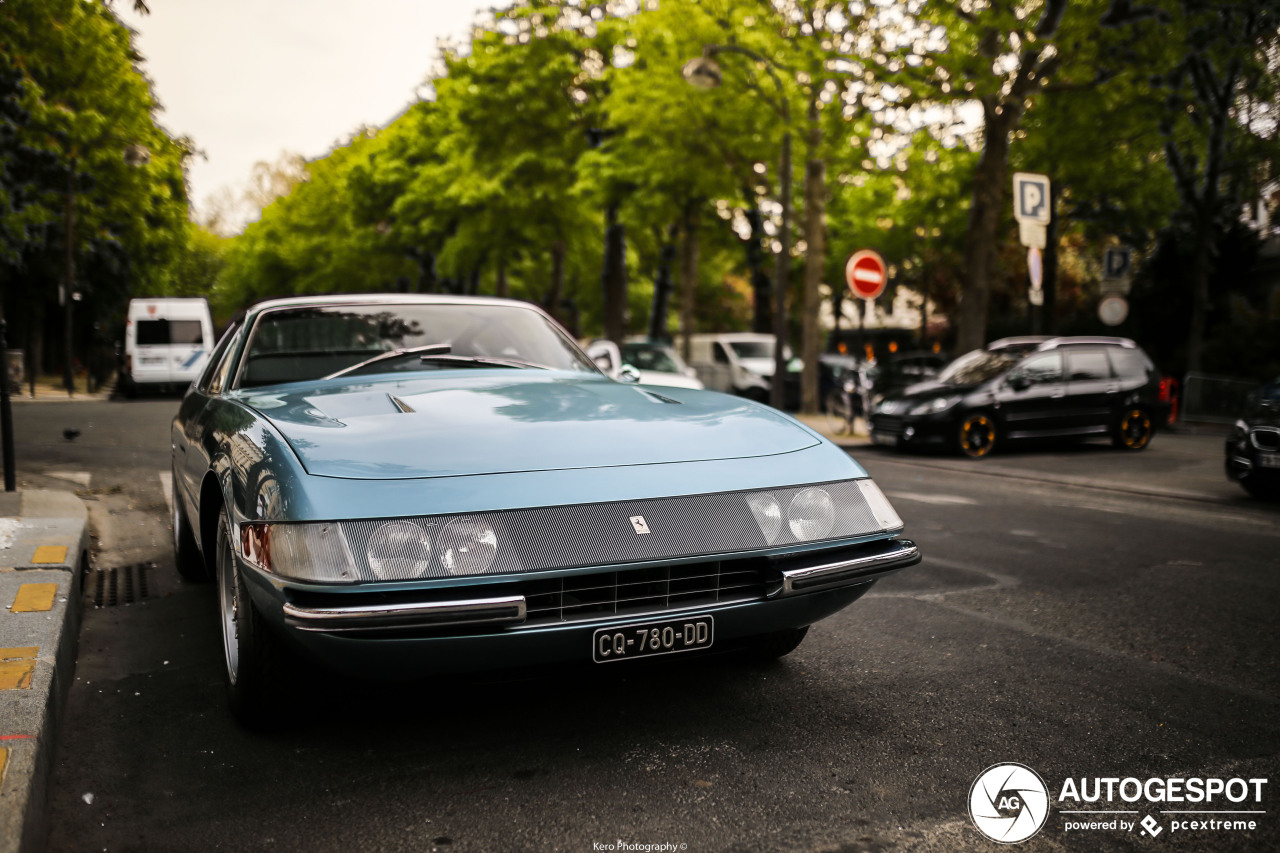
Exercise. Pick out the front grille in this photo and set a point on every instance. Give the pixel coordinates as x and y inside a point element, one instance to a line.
<point>886,423</point>
<point>642,591</point>
<point>587,596</point>
<point>1266,438</point>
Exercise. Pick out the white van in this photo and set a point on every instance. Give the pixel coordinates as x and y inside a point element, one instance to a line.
<point>166,342</point>
<point>737,362</point>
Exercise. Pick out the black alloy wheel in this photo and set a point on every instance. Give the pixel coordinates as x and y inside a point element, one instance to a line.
<point>977,435</point>
<point>1134,430</point>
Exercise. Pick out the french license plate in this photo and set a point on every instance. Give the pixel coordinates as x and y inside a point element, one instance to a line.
<point>653,638</point>
<point>885,438</point>
<point>1269,460</point>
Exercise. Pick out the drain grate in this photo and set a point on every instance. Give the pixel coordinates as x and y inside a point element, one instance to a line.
<point>122,585</point>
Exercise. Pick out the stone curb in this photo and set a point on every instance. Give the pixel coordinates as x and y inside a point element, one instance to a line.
<point>43,552</point>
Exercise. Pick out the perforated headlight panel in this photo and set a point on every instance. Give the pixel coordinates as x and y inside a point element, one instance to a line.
<point>558,537</point>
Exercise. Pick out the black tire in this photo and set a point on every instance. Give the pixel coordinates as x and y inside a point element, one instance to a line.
<point>1133,429</point>
<point>1259,489</point>
<point>778,644</point>
<point>976,434</point>
<point>186,555</point>
<point>257,667</point>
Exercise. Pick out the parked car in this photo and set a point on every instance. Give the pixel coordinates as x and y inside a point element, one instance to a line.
<point>1253,449</point>
<point>643,360</point>
<point>413,484</point>
<point>741,363</point>
<point>1070,387</point>
<point>893,373</point>
<point>166,343</point>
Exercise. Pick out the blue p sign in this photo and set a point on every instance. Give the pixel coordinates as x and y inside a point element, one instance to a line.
<point>1117,263</point>
<point>1031,197</point>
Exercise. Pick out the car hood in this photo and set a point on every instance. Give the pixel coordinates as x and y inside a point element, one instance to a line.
<point>502,421</point>
<point>921,392</point>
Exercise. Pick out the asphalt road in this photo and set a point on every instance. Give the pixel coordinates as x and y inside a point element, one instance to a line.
<point>1062,618</point>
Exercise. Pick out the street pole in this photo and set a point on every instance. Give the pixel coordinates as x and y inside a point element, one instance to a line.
<point>69,278</point>
<point>6,412</point>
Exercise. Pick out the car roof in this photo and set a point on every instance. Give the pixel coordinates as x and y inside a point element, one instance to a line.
<point>1088,340</point>
<point>385,299</point>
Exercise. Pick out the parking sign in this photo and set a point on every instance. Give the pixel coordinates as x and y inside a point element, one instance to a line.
<point>1117,262</point>
<point>1031,197</point>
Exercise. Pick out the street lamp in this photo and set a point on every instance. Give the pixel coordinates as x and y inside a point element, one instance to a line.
<point>703,72</point>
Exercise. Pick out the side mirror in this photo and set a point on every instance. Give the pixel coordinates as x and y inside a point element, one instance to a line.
<point>628,374</point>
<point>1019,382</point>
<point>607,357</point>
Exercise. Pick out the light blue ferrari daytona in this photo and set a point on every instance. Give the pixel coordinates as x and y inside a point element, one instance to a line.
<point>404,485</point>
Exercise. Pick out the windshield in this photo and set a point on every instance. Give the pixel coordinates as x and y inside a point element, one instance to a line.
<point>296,344</point>
<point>975,367</point>
<point>649,357</point>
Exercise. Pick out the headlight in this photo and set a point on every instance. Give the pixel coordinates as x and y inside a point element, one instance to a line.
<point>399,550</point>
<point>811,514</point>
<point>768,513</point>
<point>468,546</point>
<point>932,407</point>
<point>1241,431</point>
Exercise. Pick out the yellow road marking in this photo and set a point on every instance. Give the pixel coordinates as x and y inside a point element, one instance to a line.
<point>17,666</point>
<point>49,554</point>
<point>34,597</point>
<point>4,756</point>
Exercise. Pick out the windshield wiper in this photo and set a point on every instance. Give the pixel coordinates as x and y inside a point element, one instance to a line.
<point>426,351</point>
<point>482,359</point>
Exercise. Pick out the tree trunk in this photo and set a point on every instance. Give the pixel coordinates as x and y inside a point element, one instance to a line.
<point>502,287</point>
<point>985,215</point>
<point>614,277</point>
<point>815,260</point>
<point>662,287</point>
<point>688,276</point>
<point>556,293</point>
<point>69,281</point>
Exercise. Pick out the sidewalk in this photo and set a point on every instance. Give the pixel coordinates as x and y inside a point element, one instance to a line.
<point>820,423</point>
<point>43,549</point>
<point>49,389</point>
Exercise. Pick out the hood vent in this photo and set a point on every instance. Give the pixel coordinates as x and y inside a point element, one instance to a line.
<point>400,404</point>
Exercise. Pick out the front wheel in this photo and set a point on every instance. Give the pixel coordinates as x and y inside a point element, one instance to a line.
<point>977,435</point>
<point>1134,430</point>
<point>257,666</point>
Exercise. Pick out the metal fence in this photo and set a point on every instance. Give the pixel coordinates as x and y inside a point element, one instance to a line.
<point>1216,399</point>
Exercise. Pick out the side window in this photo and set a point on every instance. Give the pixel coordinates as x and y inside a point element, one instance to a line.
<point>215,375</point>
<point>1087,366</point>
<point>718,353</point>
<point>1043,369</point>
<point>152,333</point>
<point>1128,363</point>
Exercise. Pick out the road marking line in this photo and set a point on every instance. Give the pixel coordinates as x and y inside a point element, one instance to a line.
<point>166,486</point>
<point>49,555</point>
<point>80,478</point>
<point>933,499</point>
<point>17,666</point>
<point>4,759</point>
<point>34,598</point>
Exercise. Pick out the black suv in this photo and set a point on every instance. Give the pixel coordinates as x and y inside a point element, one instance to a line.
<point>1029,388</point>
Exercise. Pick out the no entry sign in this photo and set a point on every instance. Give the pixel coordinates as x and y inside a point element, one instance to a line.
<point>865,274</point>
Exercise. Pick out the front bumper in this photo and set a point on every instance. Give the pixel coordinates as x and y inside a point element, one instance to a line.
<point>506,623</point>
<point>913,430</point>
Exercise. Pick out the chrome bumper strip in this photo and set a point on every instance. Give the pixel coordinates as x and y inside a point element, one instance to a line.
<point>508,610</point>
<point>897,554</point>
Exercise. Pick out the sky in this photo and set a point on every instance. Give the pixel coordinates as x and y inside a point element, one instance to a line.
<point>250,79</point>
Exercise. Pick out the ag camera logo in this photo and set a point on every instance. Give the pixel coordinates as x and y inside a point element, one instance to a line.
<point>1009,803</point>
